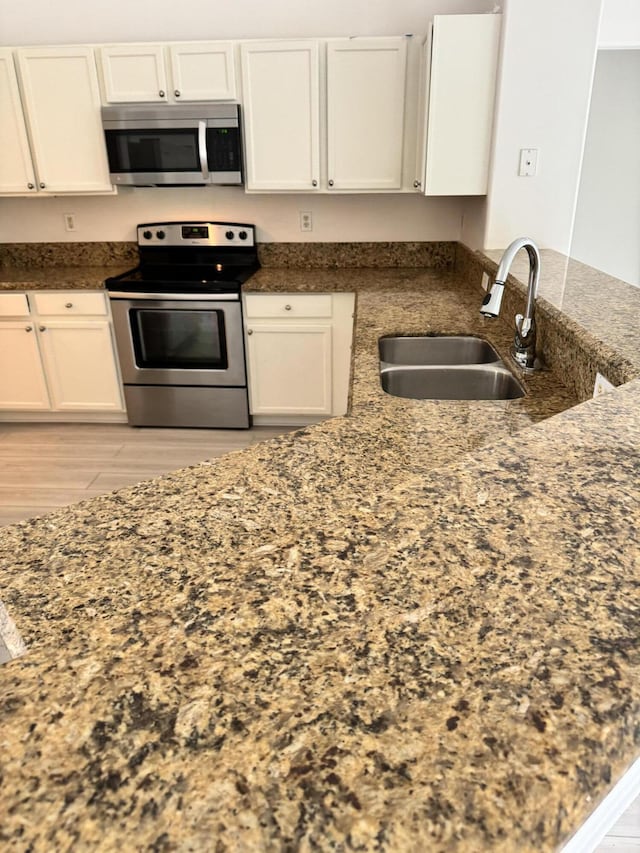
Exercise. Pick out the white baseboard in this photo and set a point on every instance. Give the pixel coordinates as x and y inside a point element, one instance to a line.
<point>64,417</point>
<point>606,815</point>
<point>289,420</point>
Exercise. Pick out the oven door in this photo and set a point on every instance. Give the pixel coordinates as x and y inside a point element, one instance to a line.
<point>179,339</point>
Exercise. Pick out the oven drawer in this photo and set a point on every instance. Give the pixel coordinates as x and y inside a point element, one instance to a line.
<point>70,303</point>
<point>288,305</point>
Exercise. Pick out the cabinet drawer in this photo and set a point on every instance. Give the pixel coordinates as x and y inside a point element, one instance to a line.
<point>288,305</point>
<point>70,303</point>
<point>14,305</point>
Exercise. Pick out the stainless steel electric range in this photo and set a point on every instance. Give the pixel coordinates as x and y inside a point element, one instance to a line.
<point>178,325</point>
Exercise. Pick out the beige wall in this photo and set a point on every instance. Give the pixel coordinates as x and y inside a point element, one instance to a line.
<point>548,57</point>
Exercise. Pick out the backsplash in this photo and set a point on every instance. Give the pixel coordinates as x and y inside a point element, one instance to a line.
<point>435,255</point>
<point>40,255</point>
<point>567,339</point>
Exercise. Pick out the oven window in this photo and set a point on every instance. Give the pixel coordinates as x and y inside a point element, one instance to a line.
<point>179,339</point>
<point>153,150</point>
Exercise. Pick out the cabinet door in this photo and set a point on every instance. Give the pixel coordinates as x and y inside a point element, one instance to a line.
<point>289,368</point>
<point>16,171</point>
<point>62,105</point>
<point>80,364</point>
<point>133,72</point>
<point>22,382</point>
<point>365,113</point>
<point>464,59</point>
<point>280,82</point>
<point>203,71</point>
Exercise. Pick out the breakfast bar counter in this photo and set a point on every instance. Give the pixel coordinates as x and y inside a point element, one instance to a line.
<point>412,628</point>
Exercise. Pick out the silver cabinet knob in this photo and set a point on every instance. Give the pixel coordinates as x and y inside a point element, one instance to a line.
<point>28,328</point>
<point>42,186</point>
<point>330,183</point>
<point>68,304</point>
<point>287,307</point>
<point>314,183</point>
<point>31,186</point>
<point>416,184</point>
<point>161,93</point>
<point>42,328</point>
<point>249,331</point>
<point>177,93</point>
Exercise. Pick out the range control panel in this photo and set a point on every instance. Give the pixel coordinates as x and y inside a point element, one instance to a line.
<point>196,234</point>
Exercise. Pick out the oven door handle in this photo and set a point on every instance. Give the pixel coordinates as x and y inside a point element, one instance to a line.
<point>179,297</point>
<point>202,149</point>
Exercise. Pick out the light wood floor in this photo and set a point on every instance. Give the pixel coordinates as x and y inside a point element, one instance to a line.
<point>46,466</point>
<point>625,835</point>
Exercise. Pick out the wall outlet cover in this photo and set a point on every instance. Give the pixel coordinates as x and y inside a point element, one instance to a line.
<point>602,385</point>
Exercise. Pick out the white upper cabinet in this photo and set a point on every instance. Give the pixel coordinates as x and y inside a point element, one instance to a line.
<point>292,144</point>
<point>133,72</point>
<point>460,68</point>
<point>61,101</point>
<point>193,71</point>
<point>16,170</point>
<point>365,113</point>
<point>281,108</point>
<point>203,71</point>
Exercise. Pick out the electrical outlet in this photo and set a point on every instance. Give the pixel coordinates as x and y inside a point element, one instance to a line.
<point>69,221</point>
<point>306,220</point>
<point>602,385</point>
<point>485,281</point>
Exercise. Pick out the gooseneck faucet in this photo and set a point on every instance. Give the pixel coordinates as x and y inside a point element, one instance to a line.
<point>524,344</point>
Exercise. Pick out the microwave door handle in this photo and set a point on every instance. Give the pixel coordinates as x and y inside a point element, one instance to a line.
<point>202,149</point>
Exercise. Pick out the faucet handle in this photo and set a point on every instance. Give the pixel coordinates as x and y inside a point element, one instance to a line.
<point>522,325</point>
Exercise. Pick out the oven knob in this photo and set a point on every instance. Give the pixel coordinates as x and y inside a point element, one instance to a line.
<point>229,235</point>
<point>242,235</point>
<point>147,235</point>
<point>160,235</point>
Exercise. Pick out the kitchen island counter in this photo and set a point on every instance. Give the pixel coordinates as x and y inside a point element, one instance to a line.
<point>413,628</point>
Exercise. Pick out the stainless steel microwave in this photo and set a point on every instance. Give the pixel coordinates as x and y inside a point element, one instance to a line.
<point>173,145</point>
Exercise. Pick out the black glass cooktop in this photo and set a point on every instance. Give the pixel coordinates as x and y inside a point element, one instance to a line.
<point>170,277</point>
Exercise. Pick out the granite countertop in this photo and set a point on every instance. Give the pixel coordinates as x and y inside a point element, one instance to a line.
<point>86,277</point>
<point>413,628</point>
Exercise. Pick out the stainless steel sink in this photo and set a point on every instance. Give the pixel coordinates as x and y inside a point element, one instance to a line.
<point>452,382</point>
<point>436,350</point>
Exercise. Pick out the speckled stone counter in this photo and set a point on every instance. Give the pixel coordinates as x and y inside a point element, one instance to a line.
<point>410,629</point>
<point>57,277</point>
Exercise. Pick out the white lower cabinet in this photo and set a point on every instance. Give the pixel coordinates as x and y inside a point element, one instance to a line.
<point>22,382</point>
<point>298,354</point>
<point>79,363</point>
<point>57,354</point>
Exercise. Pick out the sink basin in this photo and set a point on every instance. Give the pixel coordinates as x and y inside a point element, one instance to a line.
<point>482,382</point>
<point>434,349</point>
